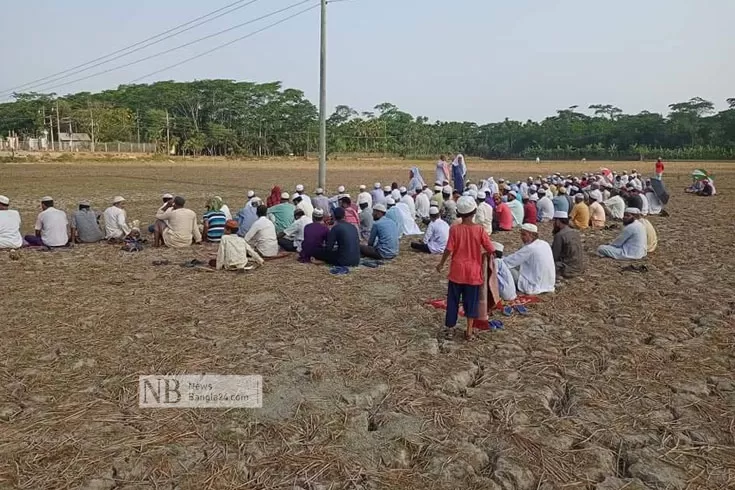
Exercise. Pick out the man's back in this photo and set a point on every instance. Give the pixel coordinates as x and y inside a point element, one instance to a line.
<point>262,236</point>
<point>52,223</point>
<point>10,236</point>
<point>568,252</point>
<point>345,237</point>
<point>580,216</point>
<point>545,209</point>
<point>281,215</point>
<point>387,236</point>
<point>88,229</point>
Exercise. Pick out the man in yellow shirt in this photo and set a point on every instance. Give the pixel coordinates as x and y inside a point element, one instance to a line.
<point>597,213</point>
<point>579,218</point>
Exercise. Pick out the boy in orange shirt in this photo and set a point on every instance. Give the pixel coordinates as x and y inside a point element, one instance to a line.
<point>465,245</point>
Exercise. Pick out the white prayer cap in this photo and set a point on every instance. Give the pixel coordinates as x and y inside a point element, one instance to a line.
<point>433,210</point>
<point>285,195</point>
<point>561,215</point>
<point>256,199</point>
<point>402,190</point>
<point>513,193</point>
<point>466,205</point>
<point>391,201</point>
<point>319,191</point>
<point>434,203</point>
<point>362,199</point>
<point>386,188</point>
<point>498,246</point>
<point>529,227</point>
<point>542,192</point>
<point>363,187</point>
<point>438,188</point>
<point>562,190</point>
<point>341,189</point>
<point>533,187</point>
<point>481,195</point>
<point>118,200</point>
<point>167,196</point>
<point>47,198</point>
<point>632,211</point>
<point>83,202</point>
<point>318,213</point>
<point>580,197</point>
<point>251,194</point>
<point>300,188</point>
<point>500,181</point>
<point>533,197</point>
<point>377,185</point>
<point>4,200</point>
<point>380,207</point>
<point>447,189</point>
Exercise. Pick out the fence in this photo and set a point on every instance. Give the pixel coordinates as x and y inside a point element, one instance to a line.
<point>41,145</point>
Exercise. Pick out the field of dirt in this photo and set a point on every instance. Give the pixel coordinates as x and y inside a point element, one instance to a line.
<point>619,380</point>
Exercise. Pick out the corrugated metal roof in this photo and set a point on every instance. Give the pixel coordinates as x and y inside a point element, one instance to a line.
<point>74,137</point>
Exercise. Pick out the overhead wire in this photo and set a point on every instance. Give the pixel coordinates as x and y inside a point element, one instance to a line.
<point>146,43</point>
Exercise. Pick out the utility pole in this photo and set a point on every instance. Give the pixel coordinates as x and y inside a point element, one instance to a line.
<point>58,124</point>
<point>71,136</point>
<point>91,118</point>
<point>323,100</point>
<point>137,121</point>
<point>168,136</point>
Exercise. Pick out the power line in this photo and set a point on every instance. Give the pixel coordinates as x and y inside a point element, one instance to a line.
<point>227,43</point>
<point>145,44</point>
<point>176,48</point>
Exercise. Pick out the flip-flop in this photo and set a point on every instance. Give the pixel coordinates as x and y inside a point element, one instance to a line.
<point>339,270</point>
<point>507,311</point>
<point>522,310</point>
<point>496,325</point>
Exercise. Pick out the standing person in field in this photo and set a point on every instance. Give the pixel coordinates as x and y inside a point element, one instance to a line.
<point>51,226</point>
<point>442,170</point>
<point>459,172</point>
<point>659,169</point>
<point>423,204</point>
<point>116,227</point>
<point>85,225</point>
<point>10,236</point>
<point>182,228</point>
<point>282,214</point>
<point>465,246</point>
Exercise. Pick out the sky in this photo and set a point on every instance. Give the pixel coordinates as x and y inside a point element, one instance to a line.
<point>466,60</point>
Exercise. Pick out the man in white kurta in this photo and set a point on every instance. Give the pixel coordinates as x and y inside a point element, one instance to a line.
<point>10,236</point>
<point>423,204</point>
<point>115,216</point>
<point>408,201</point>
<point>506,283</point>
<point>533,265</point>
<point>632,243</point>
<point>616,206</point>
<point>484,213</point>
<point>364,196</point>
<point>233,251</point>
<point>262,235</point>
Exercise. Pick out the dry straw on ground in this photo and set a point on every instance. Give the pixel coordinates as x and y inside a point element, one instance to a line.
<point>619,380</point>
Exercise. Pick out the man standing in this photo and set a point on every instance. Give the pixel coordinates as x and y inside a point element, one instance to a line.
<point>532,265</point>
<point>567,247</point>
<point>262,235</point>
<point>383,240</point>
<point>51,226</point>
<point>436,236</point>
<point>10,236</point>
<point>632,243</point>
<point>343,243</point>
<point>580,215</point>
<point>182,228</point>
<point>85,225</point>
<point>292,237</point>
<point>366,217</point>
<point>116,227</point>
<point>659,169</point>
<point>282,214</point>
<point>484,213</point>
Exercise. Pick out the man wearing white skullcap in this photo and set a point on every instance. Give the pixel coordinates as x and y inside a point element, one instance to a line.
<point>484,214</point>
<point>366,216</point>
<point>10,236</point>
<point>438,197</point>
<point>632,242</point>
<point>436,236</point>
<point>116,227</point>
<point>423,204</point>
<point>532,265</point>
<point>321,202</point>
<point>365,197</point>
<point>282,215</point>
<point>506,283</point>
<point>449,207</point>
<point>305,199</point>
<point>567,247</point>
<point>377,194</point>
<point>408,201</point>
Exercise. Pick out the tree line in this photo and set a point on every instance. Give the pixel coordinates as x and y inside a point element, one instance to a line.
<point>223,117</point>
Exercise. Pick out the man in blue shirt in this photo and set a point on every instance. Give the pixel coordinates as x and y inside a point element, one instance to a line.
<point>343,243</point>
<point>383,241</point>
<point>561,203</point>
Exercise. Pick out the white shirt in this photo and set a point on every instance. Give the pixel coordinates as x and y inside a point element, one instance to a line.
<point>52,223</point>
<point>233,253</point>
<point>306,207</point>
<point>115,225</point>
<point>422,205</point>
<point>408,201</point>
<point>506,285</point>
<point>295,232</point>
<point>484,217</point>
<point>644,209</point>
<point>437,236</point>
<point>262,236</point>
<point>367,197</point>
<point>616,205</point>
<point>537,271</point>
<point>545,209</point>
<point>226,209</point>
<point>654,203</point>
<point>10,229</point>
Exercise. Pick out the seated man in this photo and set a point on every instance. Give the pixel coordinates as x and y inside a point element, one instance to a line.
<point>292,237</point>
<point>597,213</point>
<point>233,251</point>
<point>502,217</point>
<point>282,214</point>
<point>213,221</point>
<point>116,227</point>
<point>651,236</point>
<point>366,217</point>
<point>615,206</point>
<point>383,241</point>
<point>532,266</point>
<point>315,237</point>
<point>579,217</point>
<point>262,235</point>
<point>10,236</point>
<point>632,243</point>
<point>85,225</point>
<point>437,234</point>
<point>182,228</point>
<point>51,226</point>
<point>506,283</point>
<point>166,198</point>
<point>567,247</point>
<point>343,243</point>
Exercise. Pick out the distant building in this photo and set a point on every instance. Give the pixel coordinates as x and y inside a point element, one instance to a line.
<point>74,140</point>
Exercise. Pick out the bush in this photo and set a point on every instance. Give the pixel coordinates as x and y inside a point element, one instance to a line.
<point>64,157</point>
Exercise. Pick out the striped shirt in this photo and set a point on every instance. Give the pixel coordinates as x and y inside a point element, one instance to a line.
<point>215,225</point>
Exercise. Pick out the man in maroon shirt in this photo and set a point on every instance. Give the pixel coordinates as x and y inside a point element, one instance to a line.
<point>529,211</point>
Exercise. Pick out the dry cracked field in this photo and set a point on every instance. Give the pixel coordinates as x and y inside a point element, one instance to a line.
<point>619,380</point>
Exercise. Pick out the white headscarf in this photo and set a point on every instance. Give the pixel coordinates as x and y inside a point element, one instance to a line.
<point>409,223</point>
<point>459,160</point>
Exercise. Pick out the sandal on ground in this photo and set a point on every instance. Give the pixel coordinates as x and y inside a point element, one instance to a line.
<point>508,311</point>
<point>496,325</point>
<point>522,310</point>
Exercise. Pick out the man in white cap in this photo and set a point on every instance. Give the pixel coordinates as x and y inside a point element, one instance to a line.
<point>423,205</point>
<point>282,214</point>
<point>334,200</point>
<point>366,216</point>
<point>51,226</point>
<point>176,226</point>
<point>449,206</point>
<point>632,243</point>
<point>248,214</point>
<point>436,236</point>
<point>516,208</point>
<point>305,199</point>
<point>377,194</point>
<point>321,202</point>
<point>10,236</point>
<point>532,265</point>
<point>408,201</point>
<point>544,206</point>
<point>166,198</point>
<point>579,216</point>
<point>506,283</point>
<point>383,242</point>
<point>116,227</point>
<point>484,214</point>
<point>597,213</point>
<point>567,247</point>
<point>85,225</point>
<point>299,200</point>
<point>292,237</point>
<point>365,196</point>
<point>394,214</point>
<point>438,196</point>
<point>615,206</point>
<point>465,246</point>
<point>262,235</point>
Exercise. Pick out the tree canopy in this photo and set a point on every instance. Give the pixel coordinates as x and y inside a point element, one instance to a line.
<point>223,117</point>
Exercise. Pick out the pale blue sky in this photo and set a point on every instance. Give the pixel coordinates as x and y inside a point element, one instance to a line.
<point>479,60</point>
